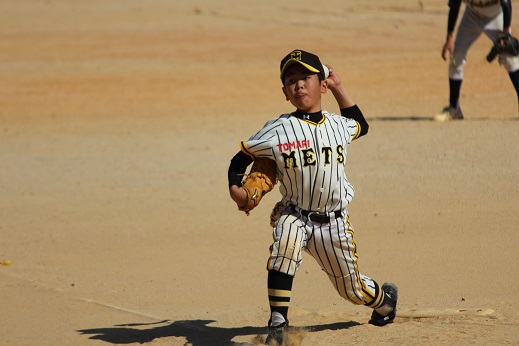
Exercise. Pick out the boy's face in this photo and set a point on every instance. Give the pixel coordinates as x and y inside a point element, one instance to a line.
<point>303,88</point>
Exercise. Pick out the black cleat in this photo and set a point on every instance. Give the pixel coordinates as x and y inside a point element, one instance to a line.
<point>452,113</point>
<point>390,298</point>
<point>277,335</point>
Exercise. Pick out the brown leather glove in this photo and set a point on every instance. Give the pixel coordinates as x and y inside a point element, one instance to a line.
<point>260,180</point>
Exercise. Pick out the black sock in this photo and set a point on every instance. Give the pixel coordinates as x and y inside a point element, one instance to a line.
<point>280,289</point>
<point>514,77</point>
<point>378,299</point>
<point>454,87</point>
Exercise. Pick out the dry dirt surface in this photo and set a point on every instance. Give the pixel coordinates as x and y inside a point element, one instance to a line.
<point>118,120</point>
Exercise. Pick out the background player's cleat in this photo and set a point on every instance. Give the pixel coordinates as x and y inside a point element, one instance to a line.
<point>391,295</point>
<point>277,334</point>
<point>453,113</point>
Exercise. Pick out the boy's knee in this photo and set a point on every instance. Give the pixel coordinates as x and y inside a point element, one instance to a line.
<point>456,68</point>
<point>510,63</point>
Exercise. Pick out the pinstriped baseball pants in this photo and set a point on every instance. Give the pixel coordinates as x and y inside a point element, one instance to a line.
<point>331,245</point>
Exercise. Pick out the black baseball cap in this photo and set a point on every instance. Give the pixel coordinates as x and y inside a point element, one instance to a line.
<point>308,60</point>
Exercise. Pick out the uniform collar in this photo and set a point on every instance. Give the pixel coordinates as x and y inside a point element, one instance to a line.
<point>316,117</point>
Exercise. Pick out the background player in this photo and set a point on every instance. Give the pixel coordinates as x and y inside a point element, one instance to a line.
<point>481,16</point>
<point>309,147</point>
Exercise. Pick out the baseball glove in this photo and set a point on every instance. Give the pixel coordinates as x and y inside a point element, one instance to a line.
<point>260,181</point>
<point>505,44</point>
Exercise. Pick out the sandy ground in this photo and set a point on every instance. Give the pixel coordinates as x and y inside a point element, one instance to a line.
<point>118,120</point>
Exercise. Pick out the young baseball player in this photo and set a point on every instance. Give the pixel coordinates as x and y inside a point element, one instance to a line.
<point>490,17</point>
<point>309,147</point>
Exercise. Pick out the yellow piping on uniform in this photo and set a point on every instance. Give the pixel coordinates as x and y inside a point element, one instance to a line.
<point>245,149</point>
<point>363,290</point>
<point>358,131</point>
<point>322,120</point>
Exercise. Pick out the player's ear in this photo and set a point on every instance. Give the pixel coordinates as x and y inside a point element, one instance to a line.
<point>324,86</point>
<point>285,92</point>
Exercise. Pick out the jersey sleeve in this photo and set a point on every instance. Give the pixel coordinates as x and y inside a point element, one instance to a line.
<point>355,113</point>
<point>257,148</point>
<point>352,128</point>
<point>261,143</point>
<point>349,128</point>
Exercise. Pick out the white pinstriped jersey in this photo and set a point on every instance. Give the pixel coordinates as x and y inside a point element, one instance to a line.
<point>485,8</point>
<point>310,159</point>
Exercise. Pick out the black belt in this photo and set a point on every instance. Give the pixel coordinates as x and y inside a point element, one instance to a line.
<point>318,217</point>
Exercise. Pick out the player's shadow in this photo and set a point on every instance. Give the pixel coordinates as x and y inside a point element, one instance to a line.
<point>196,332</point>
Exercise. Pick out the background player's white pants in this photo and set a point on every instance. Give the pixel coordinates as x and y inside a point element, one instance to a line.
<point>470,28</point>
<point>331,245</point>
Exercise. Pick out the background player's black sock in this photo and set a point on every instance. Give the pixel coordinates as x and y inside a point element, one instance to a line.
<point>514,77</point>
<point>454,87</point>
<point>280,290</point>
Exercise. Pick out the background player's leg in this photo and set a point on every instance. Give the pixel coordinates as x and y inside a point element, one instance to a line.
<point>454,92</point>
<point>514,77</point>
<point>468,31</point>
<point>492,29</point>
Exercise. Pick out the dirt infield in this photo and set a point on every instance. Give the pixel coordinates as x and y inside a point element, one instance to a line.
<point>118,120</point>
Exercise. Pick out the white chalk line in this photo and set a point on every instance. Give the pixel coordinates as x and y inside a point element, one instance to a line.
<point>124,310</point>
<point>44,286</point>
<point>432,312</point>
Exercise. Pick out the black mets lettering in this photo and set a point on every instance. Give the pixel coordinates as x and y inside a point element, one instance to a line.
<point>290,160</point>
<point>308,157</point>
<point>327,152</point>
<point>340,153</point>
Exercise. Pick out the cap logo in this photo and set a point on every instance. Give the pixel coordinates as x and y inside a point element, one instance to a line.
<point>296,55</point>
<point>310,61</point>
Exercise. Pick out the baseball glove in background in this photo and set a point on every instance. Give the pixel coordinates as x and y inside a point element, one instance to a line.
<point>505,44</point>
<point>260,181</point>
